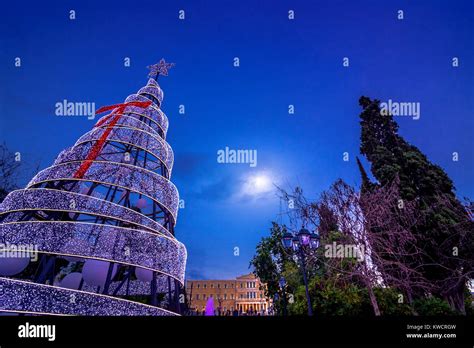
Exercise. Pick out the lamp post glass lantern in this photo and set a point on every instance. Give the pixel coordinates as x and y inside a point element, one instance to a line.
<point>287,240</point>
<point>300,244</point>
<point>314,240</point>
<point>295,243</point>
<point>304,236</point>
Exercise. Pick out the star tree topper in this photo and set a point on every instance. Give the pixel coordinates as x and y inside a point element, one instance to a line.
<point>159,68</point>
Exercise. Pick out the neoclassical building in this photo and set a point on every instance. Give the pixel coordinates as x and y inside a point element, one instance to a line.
<point>244,294</point>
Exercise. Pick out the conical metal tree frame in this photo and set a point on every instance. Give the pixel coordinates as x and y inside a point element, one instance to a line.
<point>107,198</point>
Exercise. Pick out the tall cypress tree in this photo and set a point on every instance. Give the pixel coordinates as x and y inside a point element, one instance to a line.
<point>367,185</point>
<point>445,234</point>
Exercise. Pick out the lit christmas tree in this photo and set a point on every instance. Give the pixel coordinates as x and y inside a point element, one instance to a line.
<point>101,219</point>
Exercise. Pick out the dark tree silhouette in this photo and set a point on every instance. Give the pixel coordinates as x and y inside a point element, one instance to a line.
<point>9,168</point>
<point>445,233</point>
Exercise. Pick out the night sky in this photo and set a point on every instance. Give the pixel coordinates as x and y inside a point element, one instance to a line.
<point>282,62</point>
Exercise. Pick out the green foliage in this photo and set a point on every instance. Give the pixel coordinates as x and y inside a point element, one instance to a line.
<point>329,296</point>
<point>341,301</point>
<point>292,275</point>
<point>331,299</point>
<point>389,302</point>
<point>469,302</point>
<point>268,263</point>
<point>351,300</point>
<point>297,302</point>
<point>431,306</point>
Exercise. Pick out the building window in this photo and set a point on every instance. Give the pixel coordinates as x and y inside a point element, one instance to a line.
<point>241,285</point>
<point>197,296</point>
<point>204,285</point>
<point>225,286</point>
<point>198,286</point>
<point>212,286</point>
<point>225,296</point>
<point>218,285</point>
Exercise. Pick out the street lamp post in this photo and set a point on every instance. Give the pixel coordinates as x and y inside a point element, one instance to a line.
<point>300,243</point>
<point>282,283</point>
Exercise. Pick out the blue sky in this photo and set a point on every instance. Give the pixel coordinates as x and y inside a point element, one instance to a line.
<point>282,62</point>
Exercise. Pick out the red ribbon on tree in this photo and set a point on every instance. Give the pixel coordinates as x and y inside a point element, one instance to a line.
<point>99,144</point>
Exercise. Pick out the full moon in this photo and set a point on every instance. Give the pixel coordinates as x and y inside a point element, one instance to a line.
<point>257,184</point>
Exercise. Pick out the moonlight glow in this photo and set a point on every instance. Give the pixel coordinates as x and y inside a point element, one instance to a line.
<point>258,184</point>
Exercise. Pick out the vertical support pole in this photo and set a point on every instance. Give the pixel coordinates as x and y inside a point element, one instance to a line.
<point>303,268</point>
<point>153,290</point>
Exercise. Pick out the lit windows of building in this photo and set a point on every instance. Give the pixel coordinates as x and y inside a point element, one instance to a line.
<point>244,294</point>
